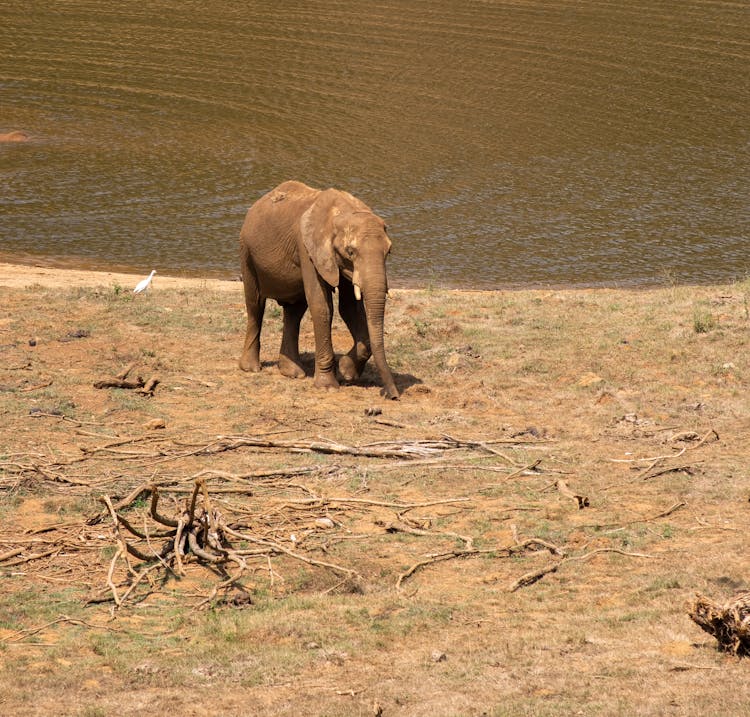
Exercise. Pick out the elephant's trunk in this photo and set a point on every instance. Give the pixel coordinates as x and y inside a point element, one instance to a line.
<point>374,290</point>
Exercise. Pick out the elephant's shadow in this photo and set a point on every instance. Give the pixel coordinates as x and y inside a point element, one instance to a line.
<point>369,377</point>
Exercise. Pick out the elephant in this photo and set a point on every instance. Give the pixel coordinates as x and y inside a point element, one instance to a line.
<point>299,244</point>
<point>14,136</point>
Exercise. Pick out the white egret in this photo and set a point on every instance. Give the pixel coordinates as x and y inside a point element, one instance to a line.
<point>143,285</point>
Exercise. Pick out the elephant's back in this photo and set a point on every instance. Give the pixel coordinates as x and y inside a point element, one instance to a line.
<point>289,199</point>
<point>279,210</point>
<point>269,236</point>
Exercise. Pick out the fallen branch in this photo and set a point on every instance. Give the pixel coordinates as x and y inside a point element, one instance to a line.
<point>663,514</point>
<point>523,469</point>
<point>646,473</point>
<point>401,527</point>
<point>33,556</point>
<point>502,552</point>
<point>35,387</point>
<point>581,500</point>
<point>534,576</point>
<point>685,468</point>
<point>20,635</point>
<point>149,387</point>
<point>124,373</point>
<point>119,383</point>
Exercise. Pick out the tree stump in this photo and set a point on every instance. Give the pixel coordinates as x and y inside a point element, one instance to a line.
<point>729,622</point>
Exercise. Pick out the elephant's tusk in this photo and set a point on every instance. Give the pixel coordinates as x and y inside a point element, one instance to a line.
<point>357,293</point>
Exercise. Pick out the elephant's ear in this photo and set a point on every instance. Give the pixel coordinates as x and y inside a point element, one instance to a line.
<point>317,227</point>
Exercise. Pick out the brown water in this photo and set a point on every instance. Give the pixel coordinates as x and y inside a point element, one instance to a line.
<point>508,142</point>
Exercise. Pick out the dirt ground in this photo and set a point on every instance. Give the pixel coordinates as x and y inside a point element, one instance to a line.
<point>521,534</point>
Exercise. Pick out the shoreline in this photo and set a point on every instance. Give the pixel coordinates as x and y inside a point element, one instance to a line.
<point>18,276</point>
<point>22,275</point>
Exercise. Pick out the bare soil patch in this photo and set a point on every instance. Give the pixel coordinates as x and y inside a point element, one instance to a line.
<point>523,533</point>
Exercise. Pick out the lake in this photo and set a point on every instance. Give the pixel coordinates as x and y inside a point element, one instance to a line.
<point>505,143</point>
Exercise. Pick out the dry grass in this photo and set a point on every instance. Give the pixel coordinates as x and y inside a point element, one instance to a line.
<point>589,387</point>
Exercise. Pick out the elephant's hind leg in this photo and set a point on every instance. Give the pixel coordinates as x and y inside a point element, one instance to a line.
<point>290,363</point>
<point>255,304</point>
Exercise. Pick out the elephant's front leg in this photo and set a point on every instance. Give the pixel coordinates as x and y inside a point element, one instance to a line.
<point>290,363</point>
<point>352,312</point>
<point>320,302</point>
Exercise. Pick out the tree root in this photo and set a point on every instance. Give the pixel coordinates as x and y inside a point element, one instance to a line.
<point>729,622</point>
<point>199,533</point>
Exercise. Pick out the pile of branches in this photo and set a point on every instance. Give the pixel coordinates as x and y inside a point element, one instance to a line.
<point>199,532</point>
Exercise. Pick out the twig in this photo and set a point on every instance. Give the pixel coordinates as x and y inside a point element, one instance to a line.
<point>110,580</point>
<point>180,570</point>
<point>581,500</point>
<point>507,551</point>
<point>684,666</point>
<point>685,468</point>
<point>657,459</point>
<point>124,373</point>
<point>402,507</point>
<point>272,473</point>
<point>523,469</point>
<point>610,550</point>
<point>142,574</point>
<point>119,383</point>
<point>34,556</point>
<point>11,554</point>
<point>124,547</point>
<point>534,576</point>
<point>28,389</point>
<point>149,387</point>
<point>170,522</point>
<point>663,514</point>
<point>19,635</point>
<point>399,527</point>
<point>277,547</point>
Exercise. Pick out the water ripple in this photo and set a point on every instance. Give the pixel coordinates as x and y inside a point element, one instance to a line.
<point>506,143</point>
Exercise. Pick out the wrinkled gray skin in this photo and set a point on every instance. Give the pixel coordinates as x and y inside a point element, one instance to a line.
<point>297,245</point>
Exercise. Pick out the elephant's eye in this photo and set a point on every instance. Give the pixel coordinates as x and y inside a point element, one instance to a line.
<point>350,252</point>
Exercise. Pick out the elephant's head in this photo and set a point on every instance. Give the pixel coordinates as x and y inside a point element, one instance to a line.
<point>343,236</point>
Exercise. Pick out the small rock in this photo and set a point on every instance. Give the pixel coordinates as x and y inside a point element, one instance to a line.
<point>453,360</point>
<point>324,523</point>
<point>146,668</point>
<point>155,424</point>
<point>239,598</point>
<point>48,411</point>
<point>77,334</point>
<point>203,671</point>
<point>529,431</point>
<point>32,342</point>
<point>337,657</point>
<point>686,436</point>
<point>438,656</point>
<point>373,411</point>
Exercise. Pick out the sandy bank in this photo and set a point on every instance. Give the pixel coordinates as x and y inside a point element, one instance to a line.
<point>20,275</point>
